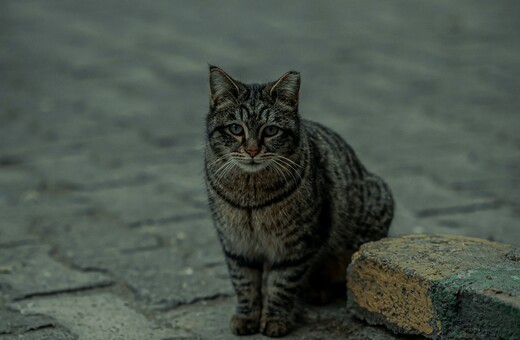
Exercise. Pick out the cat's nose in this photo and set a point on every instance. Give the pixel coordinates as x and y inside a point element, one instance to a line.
<point>252,152</point>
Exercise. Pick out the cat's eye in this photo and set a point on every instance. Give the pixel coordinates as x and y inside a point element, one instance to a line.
<point>236,129</point>
<point>270,130</point>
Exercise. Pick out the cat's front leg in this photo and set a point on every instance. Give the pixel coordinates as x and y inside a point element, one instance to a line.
<point>284,282</point>
<point>246,277</point>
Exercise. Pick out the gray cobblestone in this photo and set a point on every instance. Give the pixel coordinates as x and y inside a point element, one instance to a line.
<point>29,271</point>
<point>14,325</point>
<point>99,316</point>
<point>209,320</point>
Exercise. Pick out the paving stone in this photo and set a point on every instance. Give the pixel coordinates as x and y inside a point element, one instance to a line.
<point>14,184</point>
<point>14,322</point>
<point>210,320</point>
<point>438,286</point>
<point>476,224</point>
<point>495,187</point>
<point>47,203</point>
<point>78,236</point>
<point>30,271</point>
<point>165,264</point>
<point>425,207</point>
<point>165,278</point>
<point>14,325</point>
<point>405,222</point>
<point>19,223</point>
<point>42,334</point>
<point>89,171</point>
<point>99,316</point>
<point>15,228</point>
<point>426,198</point>
<point>154,201</point>
<point>72,173</point>
<point>36,202</point>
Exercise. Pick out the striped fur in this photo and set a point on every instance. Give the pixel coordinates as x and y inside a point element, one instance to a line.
<point>289,222</point>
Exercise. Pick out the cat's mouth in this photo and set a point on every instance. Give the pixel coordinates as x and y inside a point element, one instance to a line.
<point>252,165</point>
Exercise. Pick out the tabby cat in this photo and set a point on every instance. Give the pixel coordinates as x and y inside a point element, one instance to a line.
<point>290,200</point>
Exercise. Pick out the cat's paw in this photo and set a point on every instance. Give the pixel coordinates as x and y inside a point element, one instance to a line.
<point>276,327</point>
<point>244,325</point>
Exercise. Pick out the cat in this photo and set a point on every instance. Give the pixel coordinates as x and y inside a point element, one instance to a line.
<point>289,198</point>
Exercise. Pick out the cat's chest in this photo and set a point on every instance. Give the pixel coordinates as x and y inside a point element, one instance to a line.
<point>254,232</point>
<point>265,220</point>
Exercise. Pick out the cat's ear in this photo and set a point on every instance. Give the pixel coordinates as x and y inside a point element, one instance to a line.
<point>286,88</point>
<point>222,87</point>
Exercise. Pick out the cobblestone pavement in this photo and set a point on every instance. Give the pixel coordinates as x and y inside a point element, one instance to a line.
<point>104,229</point>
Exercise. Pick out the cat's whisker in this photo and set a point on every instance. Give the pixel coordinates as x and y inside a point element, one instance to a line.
<point>290,161</point>
<point>217,160</point>
<point>285,169</point>
<point>288,170</point>
<point>276,167</point>
<point>228,169</point>
<point>231,155</point>
<point>220,168</point>
<point>291,167</point>
<point>286,160</point>
<point>218,173</point>
<point>222,174</point>
<point>300,166</point>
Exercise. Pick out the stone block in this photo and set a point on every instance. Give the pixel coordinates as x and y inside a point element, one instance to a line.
<point>438,286</point>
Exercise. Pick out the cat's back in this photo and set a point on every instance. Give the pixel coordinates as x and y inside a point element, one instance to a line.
<point>356,195</point>
<point>334,153</point>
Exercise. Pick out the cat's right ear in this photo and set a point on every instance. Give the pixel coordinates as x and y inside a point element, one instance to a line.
<point>222,87</point>
<point>286,88</point>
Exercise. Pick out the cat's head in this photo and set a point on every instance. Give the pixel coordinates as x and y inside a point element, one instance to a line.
<point>253,125</point>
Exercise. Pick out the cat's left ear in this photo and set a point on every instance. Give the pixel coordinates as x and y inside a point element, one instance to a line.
<point>222,87</point>
<point>286,88</point>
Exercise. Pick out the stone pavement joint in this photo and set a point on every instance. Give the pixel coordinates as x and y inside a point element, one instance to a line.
<point>438,286</point>
<point>39,326</point>
<point>31,272</point>
<point>97,317</point>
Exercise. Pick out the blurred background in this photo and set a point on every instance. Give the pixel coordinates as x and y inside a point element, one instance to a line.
<point>102,107</point>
